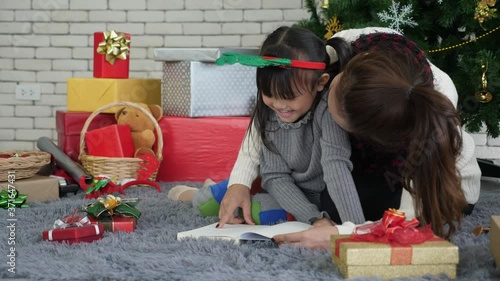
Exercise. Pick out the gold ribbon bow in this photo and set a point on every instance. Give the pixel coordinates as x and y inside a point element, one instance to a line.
<point>115,46</point>
<point>110,202</point>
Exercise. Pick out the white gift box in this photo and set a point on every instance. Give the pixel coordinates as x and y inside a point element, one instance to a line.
<point>194,86</point>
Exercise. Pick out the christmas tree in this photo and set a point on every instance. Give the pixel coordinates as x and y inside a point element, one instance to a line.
<point>461,37</point>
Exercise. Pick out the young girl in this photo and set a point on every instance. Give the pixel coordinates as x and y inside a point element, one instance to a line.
<point>408,150</point>
<point>303,150</point>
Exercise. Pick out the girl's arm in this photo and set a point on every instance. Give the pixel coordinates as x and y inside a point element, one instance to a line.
<point>278,182</point>
<point>335,154</point>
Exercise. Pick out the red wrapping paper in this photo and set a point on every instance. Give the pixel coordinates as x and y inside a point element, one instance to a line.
<point>195,149</point>
<point>71,235</point>
<point>69,126</point>
<point>110,141</point>
<point>114,224</point>
<point>102,68</point>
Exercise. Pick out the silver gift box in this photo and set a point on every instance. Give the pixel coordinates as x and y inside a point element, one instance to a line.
<point>194,86</point>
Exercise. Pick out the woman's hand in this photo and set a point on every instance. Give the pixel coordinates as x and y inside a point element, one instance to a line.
<point>316,238</point>
<point>237,195</point>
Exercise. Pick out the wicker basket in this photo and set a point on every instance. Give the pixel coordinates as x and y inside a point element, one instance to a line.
<point>22,167</point>
<point>117,168</point>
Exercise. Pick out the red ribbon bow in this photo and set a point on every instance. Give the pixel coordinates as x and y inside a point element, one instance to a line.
<point>393,228</point>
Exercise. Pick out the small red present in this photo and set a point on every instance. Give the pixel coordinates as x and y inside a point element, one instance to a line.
<point>111,54</point>
<point>115,223</point>
<point>73,229</point>
<point>69,126</point>
<point>110,141</point>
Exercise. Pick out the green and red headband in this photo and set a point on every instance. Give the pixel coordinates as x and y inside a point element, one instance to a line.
<point>265,61</point>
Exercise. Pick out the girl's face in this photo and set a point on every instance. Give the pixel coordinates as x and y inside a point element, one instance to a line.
<point>291,110</point>
<point>333,105</point>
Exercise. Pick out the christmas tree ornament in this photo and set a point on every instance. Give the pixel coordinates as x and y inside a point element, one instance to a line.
<point>325,4</point>
<point>333,26</point>
<point>485,11</point>
<point>483,96</point>
<point>397,16</point>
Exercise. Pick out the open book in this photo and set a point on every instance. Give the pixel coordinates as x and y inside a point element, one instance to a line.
<point>244,232</point>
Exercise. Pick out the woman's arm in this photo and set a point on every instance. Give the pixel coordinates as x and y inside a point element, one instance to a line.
<point>335,154</point>
<point>246,167</point>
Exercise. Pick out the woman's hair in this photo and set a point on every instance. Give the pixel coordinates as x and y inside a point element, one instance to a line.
<point>386,94</point>
<point>282,83</point>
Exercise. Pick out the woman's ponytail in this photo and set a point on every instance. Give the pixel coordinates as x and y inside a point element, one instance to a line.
<point>430,166</point>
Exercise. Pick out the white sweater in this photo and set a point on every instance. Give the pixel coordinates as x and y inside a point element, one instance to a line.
<point>246,168</point>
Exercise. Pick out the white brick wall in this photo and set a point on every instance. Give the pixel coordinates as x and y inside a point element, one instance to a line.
<point>48,41</point>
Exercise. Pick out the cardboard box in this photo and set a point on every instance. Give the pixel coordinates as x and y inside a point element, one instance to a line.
<point>194,86</point>
<point>195,149</point>
<point>110,141</point>
<point>71,235</point>
<point>103,68</point>
<point>90,94</point>
<point>115,223</point>
<point>69,126</point>
<point>38,188</point>
<point>356,259</point>
<point>495,238</point>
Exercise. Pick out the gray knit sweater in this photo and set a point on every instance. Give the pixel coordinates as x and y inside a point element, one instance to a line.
<point>313,155</point>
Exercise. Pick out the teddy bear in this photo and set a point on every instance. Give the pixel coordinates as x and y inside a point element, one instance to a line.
<point>141,126</point>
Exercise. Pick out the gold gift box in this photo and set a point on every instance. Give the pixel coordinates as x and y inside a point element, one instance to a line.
<point>495,238</point>
<point>90,94</point>
<point>367,259</point>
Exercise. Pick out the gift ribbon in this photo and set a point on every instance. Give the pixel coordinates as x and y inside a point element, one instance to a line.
<point>112,205</point>
<point>115,46</point>
<point>49,234</point>
<point>71,221</point>
<point>11,198</point>
<point>393,228</point>
<point>395,231</point>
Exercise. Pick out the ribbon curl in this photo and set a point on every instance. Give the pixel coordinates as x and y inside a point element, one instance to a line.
<point>12,199</point>
<point>393,228</point>
<point>113,205</point>
<point>71,221</point>
<point>115,46</point>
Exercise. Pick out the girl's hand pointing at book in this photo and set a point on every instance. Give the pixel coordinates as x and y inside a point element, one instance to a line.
<point>237,195</point>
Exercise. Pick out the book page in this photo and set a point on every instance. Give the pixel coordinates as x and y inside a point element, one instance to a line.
<point>229,231</point>
<point>238,232</point>
<point>270,231</point>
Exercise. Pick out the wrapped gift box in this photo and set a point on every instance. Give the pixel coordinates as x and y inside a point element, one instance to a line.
<point>69,126</point>
<point>86,233</point>
<point>194,86</point>
<point>110,141</point>
<point>90,94</point>
<point>38,188</point>
<point>199,148</point>
<point>356,259</point>
<point>495,238</point>
<point>114,223</point>
<point>103,68</point>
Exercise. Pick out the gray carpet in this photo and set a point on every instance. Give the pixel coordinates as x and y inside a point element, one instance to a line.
<point>152,252</point>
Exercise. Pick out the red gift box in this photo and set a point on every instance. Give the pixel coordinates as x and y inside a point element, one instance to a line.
<point>110,141</point>
<point>69,126</point>
<point>86,233</point>
<point>195,149</point>
<point>114,224</point>
<point>103,68</point>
